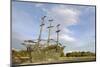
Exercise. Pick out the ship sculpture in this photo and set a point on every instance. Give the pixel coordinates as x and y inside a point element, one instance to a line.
<point>44,50</point>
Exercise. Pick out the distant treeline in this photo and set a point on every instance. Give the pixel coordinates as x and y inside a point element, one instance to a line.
<point>80,54</point>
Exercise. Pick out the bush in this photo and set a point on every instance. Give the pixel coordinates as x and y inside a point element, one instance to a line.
<point>80,54</point>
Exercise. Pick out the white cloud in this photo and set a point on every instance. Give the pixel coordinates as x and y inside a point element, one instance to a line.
<point>63,15</point>
<point>66,17</point>
<point>68,31</point>
<point>39,5</point>
<point>67,38</point>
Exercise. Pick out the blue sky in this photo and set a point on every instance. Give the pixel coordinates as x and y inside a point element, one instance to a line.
<point>77,24</point>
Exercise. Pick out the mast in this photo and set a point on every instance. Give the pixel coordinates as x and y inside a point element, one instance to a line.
<point>41,27</point>
<point>49,28</point>
<point>58,33</point>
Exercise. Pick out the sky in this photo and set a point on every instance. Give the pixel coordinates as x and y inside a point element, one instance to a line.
<point>77,24</point>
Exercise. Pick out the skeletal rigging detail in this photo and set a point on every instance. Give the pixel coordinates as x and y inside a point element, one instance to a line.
<point>30,42</point>
<point>49,28</point>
